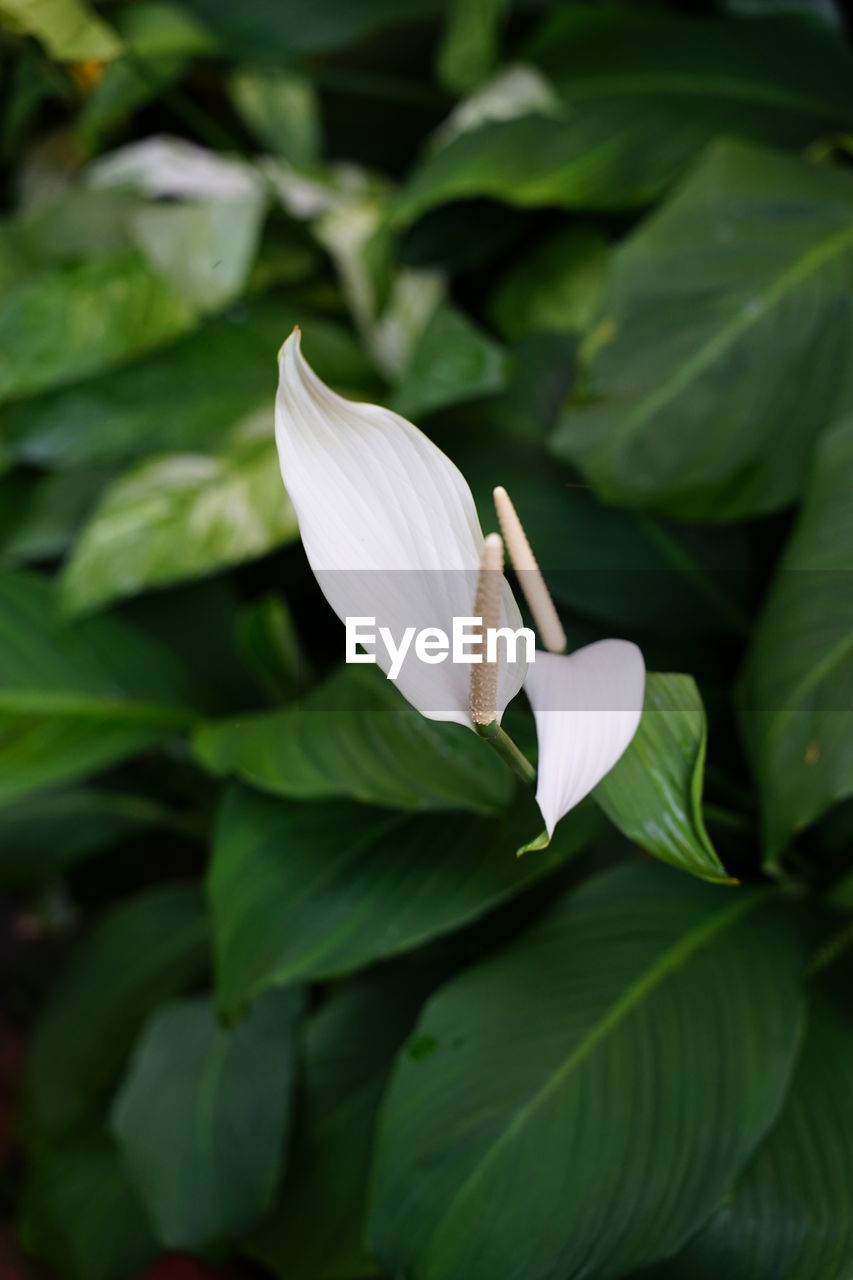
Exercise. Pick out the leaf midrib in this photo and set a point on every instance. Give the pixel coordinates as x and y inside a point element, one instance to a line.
<point>666,964</point>
<point>745,317</point>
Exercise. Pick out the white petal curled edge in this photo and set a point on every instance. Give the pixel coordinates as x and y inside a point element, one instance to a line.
<point>587,707</point>
<point>389,527</point>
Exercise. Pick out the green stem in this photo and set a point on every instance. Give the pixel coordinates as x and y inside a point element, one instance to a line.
<point>507,750</point>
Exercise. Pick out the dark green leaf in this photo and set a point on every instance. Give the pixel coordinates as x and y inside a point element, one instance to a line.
<point>654,794</point>
<point>82,1214</point>
<point>471,42</point>
<point>789,1214</point>
<point>451,361</point>
<point>210,380</point>
<point>642,93</point>
<point>47,832</point>
<point>302,891</point>
<point>256,29</point>
<point>181,516</point>
<point>146,950</point>
<point>202,1117</point>
<point>349,1044</point>
<point>618,1064</point>
<point>76,697</point>
<point>269,646</point>
<point>796,694</point>
<point>555,288</point>
<point>691,412</point>
<point>282,109</point>
<point>69,322</point>
<point>357,736</point>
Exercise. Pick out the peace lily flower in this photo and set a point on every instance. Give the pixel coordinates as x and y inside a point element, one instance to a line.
<point>390,529</point>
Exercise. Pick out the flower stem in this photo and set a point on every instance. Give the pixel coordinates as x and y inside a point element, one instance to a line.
<point>507,750</point>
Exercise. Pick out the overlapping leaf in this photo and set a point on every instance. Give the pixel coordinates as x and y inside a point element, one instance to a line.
<point>797,689</point>
<point>76,697</point>
<point>631,1050</point>
<point>687,408</point>
<point>303,891</point>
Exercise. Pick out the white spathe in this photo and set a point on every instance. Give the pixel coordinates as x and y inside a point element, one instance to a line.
<point>389,527</point>
<point>587,707</point>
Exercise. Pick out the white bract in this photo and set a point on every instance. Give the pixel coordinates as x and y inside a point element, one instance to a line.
<point>390,529</point>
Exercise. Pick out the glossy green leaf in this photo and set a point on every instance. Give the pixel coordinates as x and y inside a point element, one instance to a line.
<point>618,1063</point>
<point>210,380</point>
<point>81,1212</point>
<point>789,1216</point>
<point>204,248</point>
<point>356,736</point>
<point>796,695</point>
<point>654,794</point>
<point>182,516</point>
<point>451,361</point>
<point>316,1225</point>
<point>75,697</point>
<point>304,891</point>
<point>71,321</point>
<point>555,288</point>
<point>143,952</point>
<point>687,407</point>
<point>202,1116</point>
<point>642,93</point>
<point>69,29</point>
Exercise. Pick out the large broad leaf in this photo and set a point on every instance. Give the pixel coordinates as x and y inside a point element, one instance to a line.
<point>642,93</point>
<point>68,322</point>
<point>148,949</point>
<point>616,1065</point>
<point>202,1116</point>
<point>348,1047</point>
<point>304,891</point>
<point>357,736</point>
<point>210,380</point>
<point>789,1215</point>
<point>796,694</point>
<point>654,794</point>
<point>81,1213</point>
<point>75,697</point>
<point>181,516</point>
<point>689,408</point>
<point>68,29</point>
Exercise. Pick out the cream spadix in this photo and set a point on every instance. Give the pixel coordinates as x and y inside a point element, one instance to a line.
<point>587,707</point>
<point>389,527</point>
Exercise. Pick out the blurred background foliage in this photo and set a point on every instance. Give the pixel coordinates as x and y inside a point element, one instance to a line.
<point>278,997</point>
